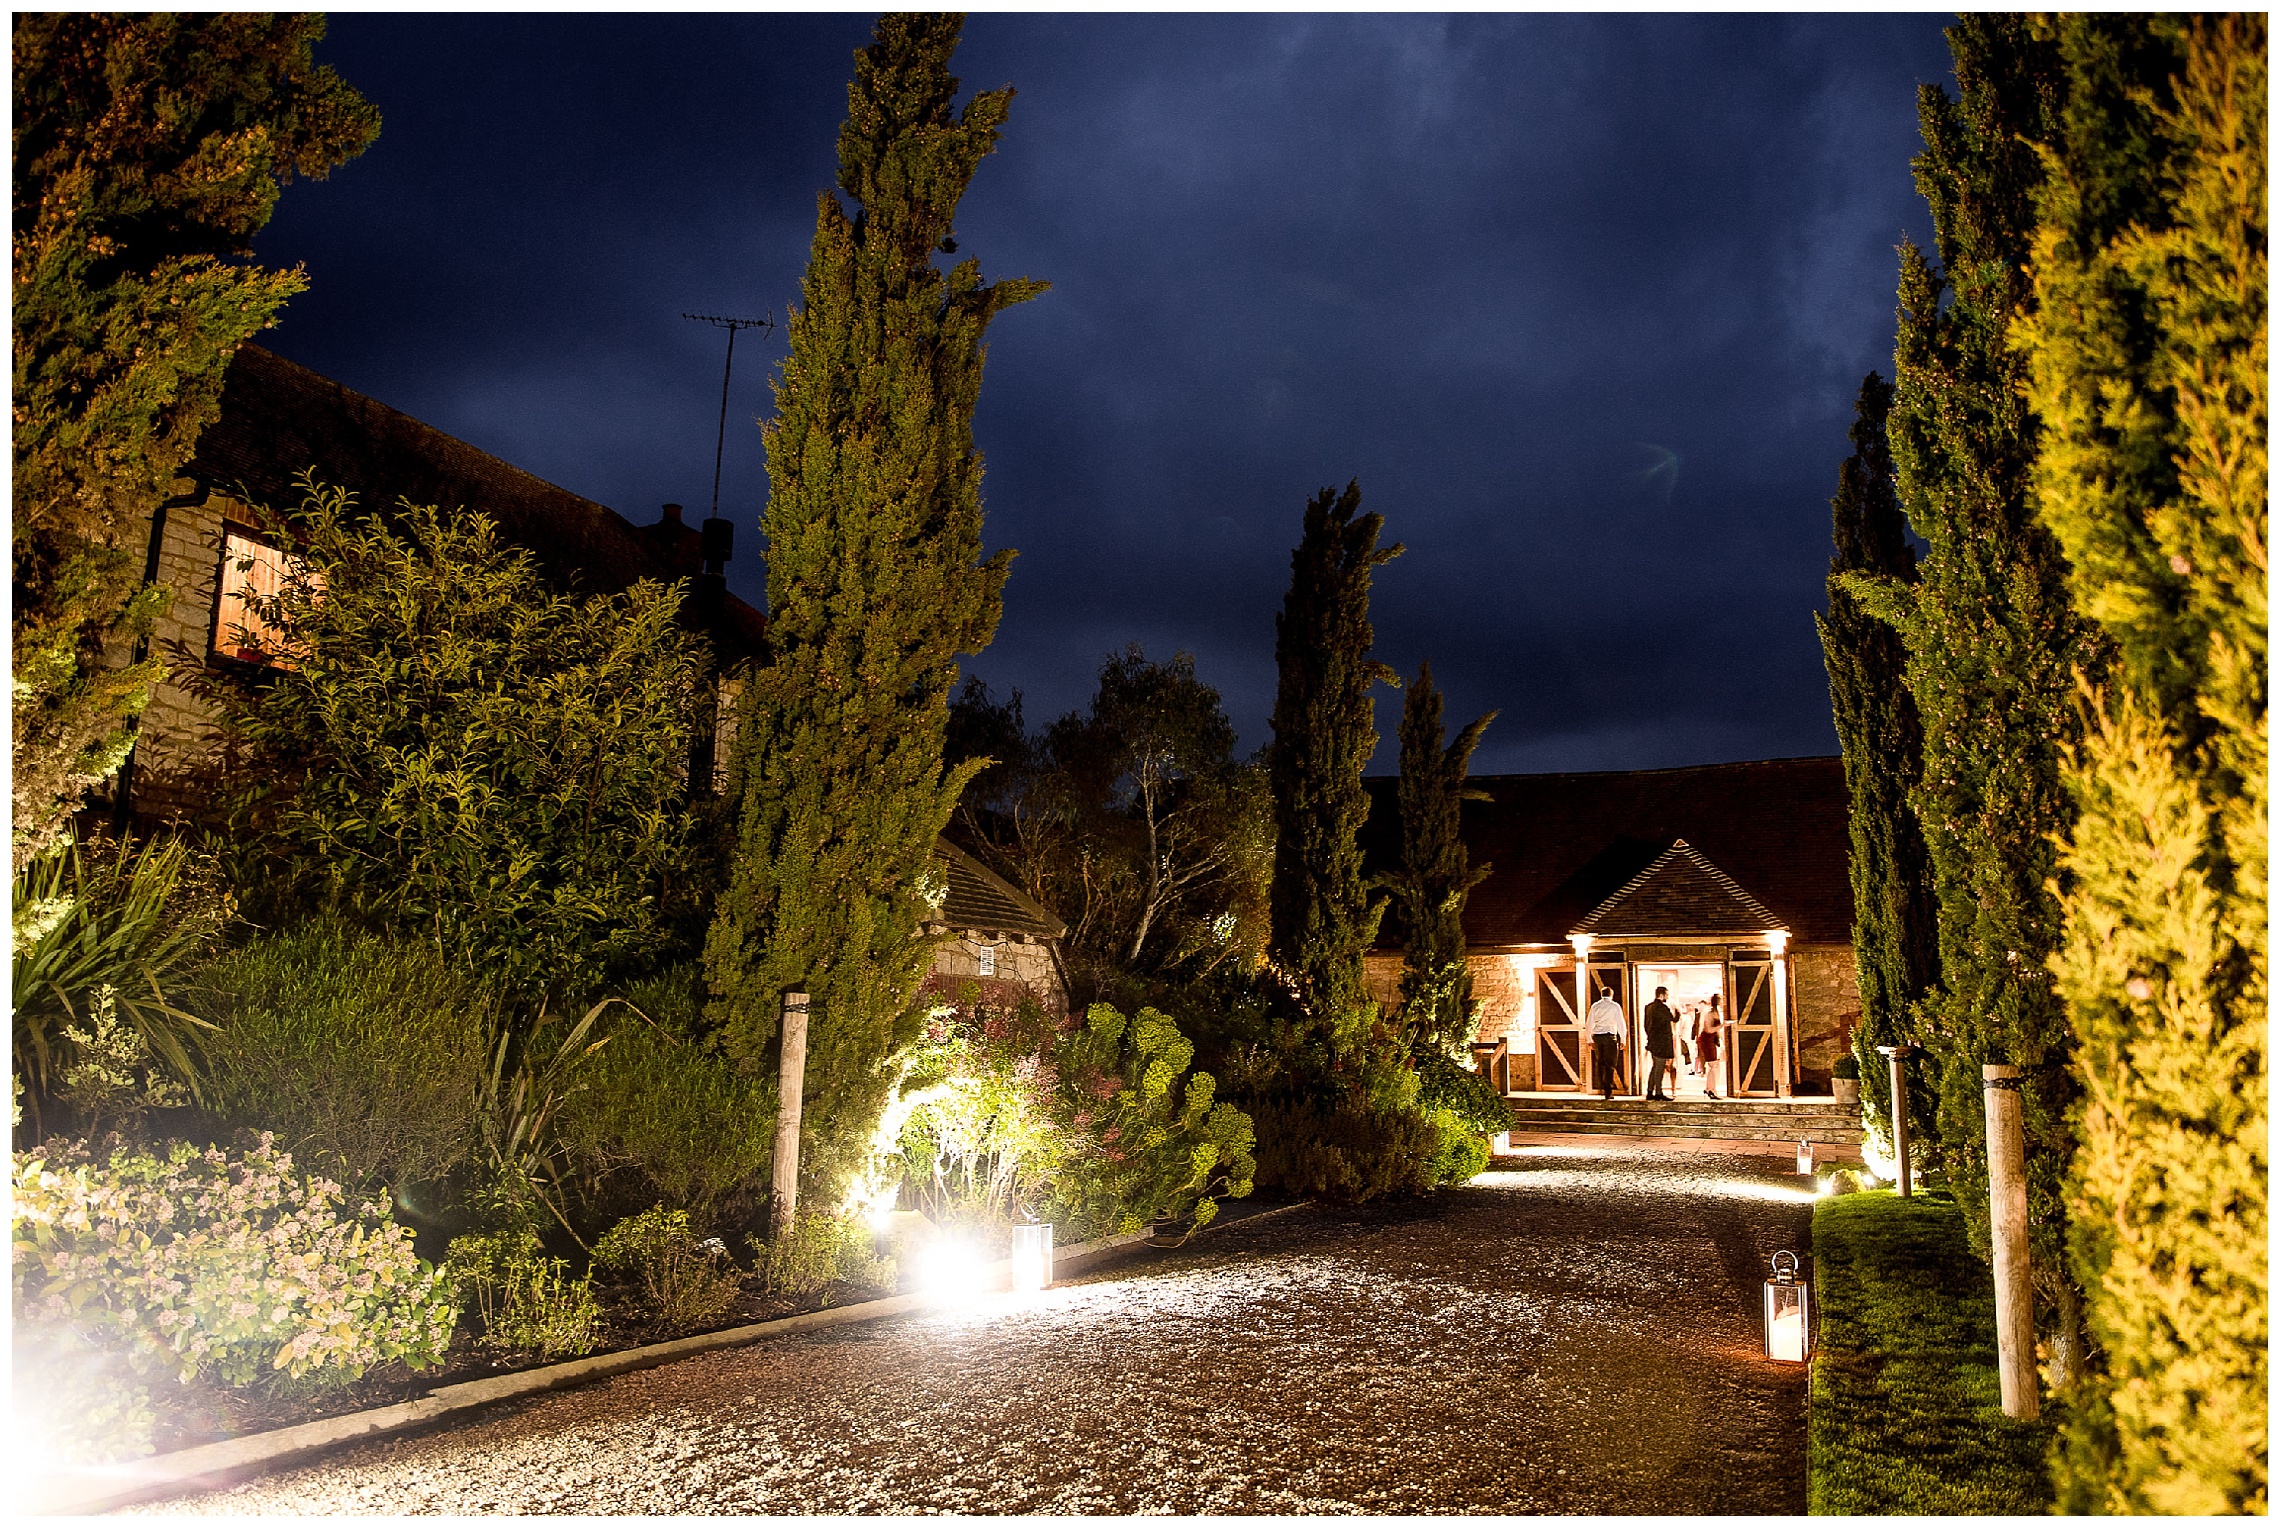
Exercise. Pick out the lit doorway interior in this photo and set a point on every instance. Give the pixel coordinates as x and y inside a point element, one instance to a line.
<point>1691,988</point>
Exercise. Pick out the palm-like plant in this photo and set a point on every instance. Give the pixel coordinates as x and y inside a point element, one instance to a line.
<point>109,914</point>
<point>529,1080</point>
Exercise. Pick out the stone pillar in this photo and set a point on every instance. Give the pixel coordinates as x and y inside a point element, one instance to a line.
<point>2007,1230</point>
<point>791,1077</point>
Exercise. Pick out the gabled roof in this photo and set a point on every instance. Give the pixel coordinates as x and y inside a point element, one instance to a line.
<point>1559,845</point>
<point>279,419</point>
<point>979,898</point>
<point>1680,893</point>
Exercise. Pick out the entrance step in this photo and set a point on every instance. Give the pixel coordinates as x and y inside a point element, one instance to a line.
<point>1819,1120</point>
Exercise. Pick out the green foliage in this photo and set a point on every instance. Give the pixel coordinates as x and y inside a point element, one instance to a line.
<point>1436,876</point>
<point>875,587</point>
<point>536,1067</point>
<point>1895,926</point>
<point>679,1282</point>
<point>110,917</point>
<point>1462,1152</point>
<point>148,151</point>
<point>364,1053</point>
<point>1321,917</point>
<point>1013,1113</point>
<point>527,1301</point>
<point>1347,1152</point>
<point>113,1080</point>
<point>1906,1415</point>
<point>451,750</point>
<point>822,1249</point>
<point>2148,364</point>
<point>1993,641</point>
<point>663,1114</point>
<point>186,1264</point>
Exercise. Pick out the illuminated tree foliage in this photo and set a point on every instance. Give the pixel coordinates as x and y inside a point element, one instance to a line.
<point>1320,915</point>
<point>876,585</point>
<point>2148,363</point>
<point>1894,935</point>
<point>1993,642</point>
<point>1435,876</point>
<point>149,149</point>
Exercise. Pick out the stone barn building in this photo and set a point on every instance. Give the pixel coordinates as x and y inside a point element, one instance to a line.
<point>1725,880</point>
<point>278,420</point>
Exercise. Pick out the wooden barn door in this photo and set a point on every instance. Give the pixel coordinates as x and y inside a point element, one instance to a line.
<point>1749,987</point>
<point>1559,1032</point>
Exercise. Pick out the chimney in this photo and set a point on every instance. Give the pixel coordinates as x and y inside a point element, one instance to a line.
<point>672,515</point>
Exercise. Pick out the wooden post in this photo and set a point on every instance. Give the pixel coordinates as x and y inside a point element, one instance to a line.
<point>2007,1229</point>
<point>1895,1055</point>
<point>791,1076</point>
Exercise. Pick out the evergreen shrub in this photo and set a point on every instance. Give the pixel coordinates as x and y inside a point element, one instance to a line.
<point>678,1282</point>
<point>663,1115</point>
<point>233,1266</point>
<point>821,1250</point>
<point>1348,1152</point>
<point>363,1053</point>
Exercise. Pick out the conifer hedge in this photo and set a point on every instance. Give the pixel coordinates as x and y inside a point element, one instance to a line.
<point>2148,366</point>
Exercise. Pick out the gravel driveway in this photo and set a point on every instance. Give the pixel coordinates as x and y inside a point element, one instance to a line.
<point>1568,1333</point>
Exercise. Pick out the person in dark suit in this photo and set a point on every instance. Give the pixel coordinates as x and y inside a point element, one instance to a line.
<point>1661,1026</point>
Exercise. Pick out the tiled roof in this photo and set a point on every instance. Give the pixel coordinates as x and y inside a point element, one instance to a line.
<point>279,419</point>
<point>1680,893</point>
<point>1558,846</point>
<point>979,898</point>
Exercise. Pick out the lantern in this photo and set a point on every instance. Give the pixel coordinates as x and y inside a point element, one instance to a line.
<point>1805,1158</point>
<point>1032,1258</point>
<point>1788,1329</point>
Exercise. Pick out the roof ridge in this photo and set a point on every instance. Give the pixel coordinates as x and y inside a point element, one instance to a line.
<point>1695,857</point>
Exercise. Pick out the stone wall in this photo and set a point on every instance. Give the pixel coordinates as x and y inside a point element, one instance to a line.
<point>175,751</point>
<point>1016,957</point>
<point>1825,1006</point>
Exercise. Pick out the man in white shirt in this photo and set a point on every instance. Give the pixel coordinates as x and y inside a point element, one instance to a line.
<point>1605,1021</point>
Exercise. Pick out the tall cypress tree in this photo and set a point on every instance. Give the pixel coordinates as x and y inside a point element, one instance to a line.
<point>2148,361</point>
<point>1436,874</point>
<point>149,150</point>
<point>876,585</point>
<point>1993,640</point>
<point>1320,915</point>
<point>1895,947</point>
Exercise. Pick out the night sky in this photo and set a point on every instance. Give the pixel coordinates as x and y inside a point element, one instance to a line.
<point>1582,301</point>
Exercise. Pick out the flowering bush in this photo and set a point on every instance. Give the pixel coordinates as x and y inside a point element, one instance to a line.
<point>1010,1109</point>
<point>203,1262</point>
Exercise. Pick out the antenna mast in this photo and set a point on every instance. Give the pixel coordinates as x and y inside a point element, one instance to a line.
<point>731,325</point>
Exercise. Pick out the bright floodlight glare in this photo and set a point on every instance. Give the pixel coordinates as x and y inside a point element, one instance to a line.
<point>952,1269</point>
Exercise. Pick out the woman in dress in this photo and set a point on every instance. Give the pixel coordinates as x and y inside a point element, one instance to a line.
<point>1709,1041</point>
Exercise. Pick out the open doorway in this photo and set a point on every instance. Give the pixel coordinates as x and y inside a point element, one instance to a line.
<point>1691,988</point>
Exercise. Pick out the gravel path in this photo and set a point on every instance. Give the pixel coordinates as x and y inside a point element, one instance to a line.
<point>1570,1334</point>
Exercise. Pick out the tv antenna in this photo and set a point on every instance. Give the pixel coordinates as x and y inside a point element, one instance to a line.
<point>731,325</point>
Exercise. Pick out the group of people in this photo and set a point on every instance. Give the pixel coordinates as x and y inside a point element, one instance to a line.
<point>1700,1031</point>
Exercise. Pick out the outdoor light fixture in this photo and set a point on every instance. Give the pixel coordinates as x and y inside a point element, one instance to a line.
<point>1032,1259</point>
<point>1805,1158</point>
<point>952,1269</point>
<point>1788,1330</point>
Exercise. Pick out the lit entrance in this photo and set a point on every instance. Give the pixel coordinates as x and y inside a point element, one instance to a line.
<point>1691,988</point>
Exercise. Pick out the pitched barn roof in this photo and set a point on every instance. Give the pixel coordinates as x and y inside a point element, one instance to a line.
<point>1560,846</point>
<point>1680,893</point>
<point>979,898</point>
<point>279,419</point>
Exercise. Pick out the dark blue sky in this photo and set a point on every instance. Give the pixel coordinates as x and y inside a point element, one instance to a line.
<point>1582,301</point>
